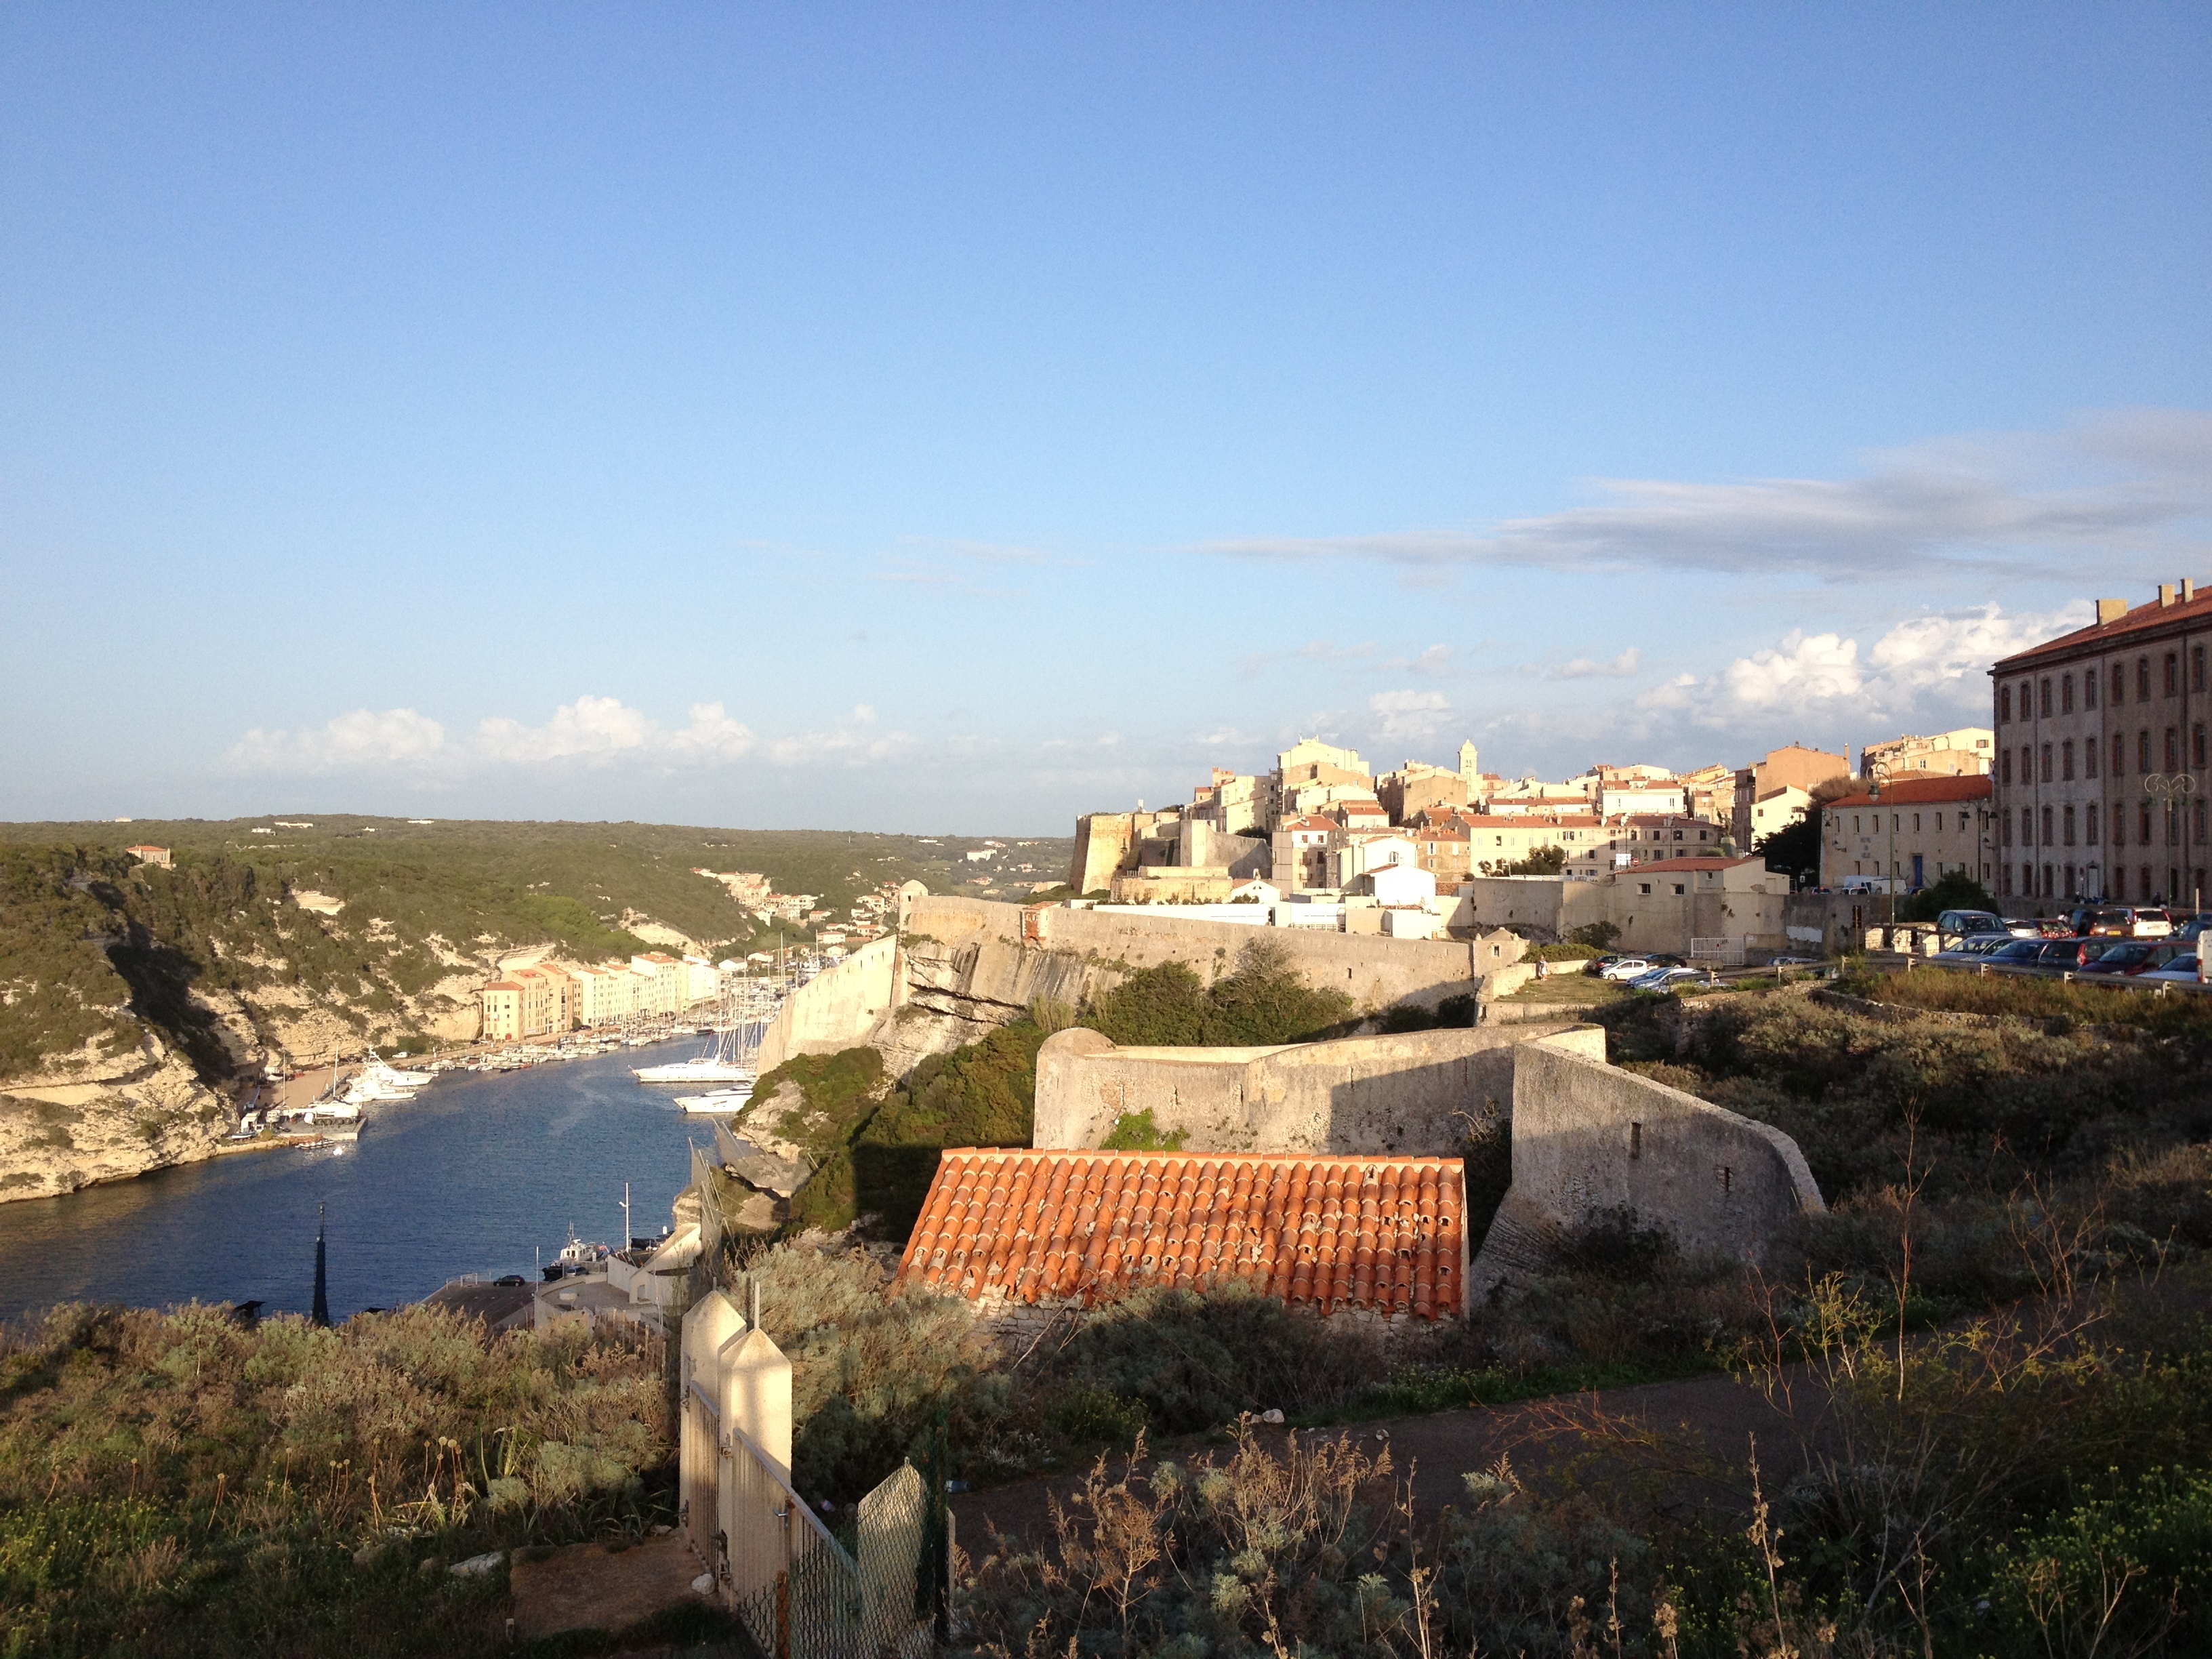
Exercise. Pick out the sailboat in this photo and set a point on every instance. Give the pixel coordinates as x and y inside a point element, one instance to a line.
<point>728,1057</point>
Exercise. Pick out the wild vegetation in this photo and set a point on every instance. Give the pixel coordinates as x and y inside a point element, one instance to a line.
<point>95,946</point>
<point>178,1484</point>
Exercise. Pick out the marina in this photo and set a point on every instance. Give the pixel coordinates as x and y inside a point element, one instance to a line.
<point>482,1171</point>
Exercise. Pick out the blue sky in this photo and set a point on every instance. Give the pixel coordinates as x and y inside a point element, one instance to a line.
<point>936,417</point>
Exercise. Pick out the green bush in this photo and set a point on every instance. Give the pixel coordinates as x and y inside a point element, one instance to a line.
<point>1955,890</point>
<point>175,1483</point>
<point>1262,1000</point>
<point>1136,1131</point>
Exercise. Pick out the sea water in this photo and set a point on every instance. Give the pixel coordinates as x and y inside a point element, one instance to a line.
<point>479,1173</point>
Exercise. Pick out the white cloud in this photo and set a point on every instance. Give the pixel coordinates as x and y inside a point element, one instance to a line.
<point>360,740</point>
<point>1588,668</point>
<point>1412,716</point>
<point>2027,498</point>
<point>589,732</point>
<point>853,740</point>
<point>1927,672</point>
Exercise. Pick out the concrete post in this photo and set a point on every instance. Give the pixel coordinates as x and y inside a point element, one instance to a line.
<point>756,1394</point>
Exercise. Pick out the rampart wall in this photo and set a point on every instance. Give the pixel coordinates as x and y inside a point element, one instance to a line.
<point>836,1009</point>
<point>1421,1092</point>
<point>1591,1141</point>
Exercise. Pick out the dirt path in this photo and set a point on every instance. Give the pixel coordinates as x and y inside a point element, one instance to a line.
<point>1690,1435</point>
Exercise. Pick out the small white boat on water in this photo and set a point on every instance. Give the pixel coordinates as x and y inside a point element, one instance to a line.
<point>392,1078</point>
<point>717,1101</point>
<point>728,1057</point>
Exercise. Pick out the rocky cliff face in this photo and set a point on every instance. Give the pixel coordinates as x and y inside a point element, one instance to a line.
<point>95,1116</point>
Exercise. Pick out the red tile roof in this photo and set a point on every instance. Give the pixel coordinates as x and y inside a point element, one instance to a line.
<point>1386,1233</point>
<point>1690,863</point>
<point>1916,792</point>
<point>2143,619</point>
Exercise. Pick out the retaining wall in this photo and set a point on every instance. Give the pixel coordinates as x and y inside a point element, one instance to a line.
<point>1417,1093</point>
<point>1590,1140</point>
<point>837,1008</point>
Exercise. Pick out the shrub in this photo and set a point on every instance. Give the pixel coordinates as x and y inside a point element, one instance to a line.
<point>1262,1000</point>
<point>1599,936</point>
<point>1137,1132</point>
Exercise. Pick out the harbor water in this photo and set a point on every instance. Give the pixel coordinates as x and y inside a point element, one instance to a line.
<point>481,1173</point>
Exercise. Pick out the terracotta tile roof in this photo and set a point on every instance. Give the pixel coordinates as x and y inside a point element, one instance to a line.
<point>2143,619</point>
<point>1386,1233</point>
<point>1915,791</point>
<point>1693,863</point>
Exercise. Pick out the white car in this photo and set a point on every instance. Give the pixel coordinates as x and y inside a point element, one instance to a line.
<point>1626,967</point>
<point>1665,979</point>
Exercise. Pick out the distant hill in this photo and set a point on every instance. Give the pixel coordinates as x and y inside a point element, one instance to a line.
<point>377,923</point>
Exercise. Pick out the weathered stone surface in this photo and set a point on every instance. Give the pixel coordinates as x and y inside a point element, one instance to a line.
<point>1417,1093</point>
<point>1590,1140</point>
<point>117,1118</point>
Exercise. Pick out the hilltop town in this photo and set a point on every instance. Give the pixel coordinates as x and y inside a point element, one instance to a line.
<point>1702,860</point>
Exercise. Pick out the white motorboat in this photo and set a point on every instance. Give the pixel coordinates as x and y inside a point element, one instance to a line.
<point>717,1101</point>
<point>728,1057</point>
<point>392,1078</point>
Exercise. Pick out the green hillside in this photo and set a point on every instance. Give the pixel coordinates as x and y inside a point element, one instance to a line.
<point>91,940</point>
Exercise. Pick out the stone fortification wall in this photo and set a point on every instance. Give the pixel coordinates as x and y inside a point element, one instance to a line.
<point>1590,1140</point>
<point>1422,1092</point>
<point>965,967</point>
<point>836,1009</point>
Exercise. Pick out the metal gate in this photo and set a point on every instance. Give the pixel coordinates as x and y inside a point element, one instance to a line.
<point>800,1593</point>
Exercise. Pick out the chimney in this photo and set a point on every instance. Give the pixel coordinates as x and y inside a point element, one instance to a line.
<point>2111,611</point>
<point>2165,596</point>
<point>2188,589</point>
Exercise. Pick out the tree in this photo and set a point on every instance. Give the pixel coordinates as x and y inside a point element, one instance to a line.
<point>1544,861</point>
<point>1956,891</point>
<point>1795,846</point>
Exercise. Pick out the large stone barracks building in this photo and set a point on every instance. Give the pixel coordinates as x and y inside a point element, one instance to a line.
<point>2100,779</point>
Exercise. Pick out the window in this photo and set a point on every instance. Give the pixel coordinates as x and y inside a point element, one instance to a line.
<point>2119,683</point>
<point>2046,826</point>
<point>2089,689</point>
<point>1962,824</point>
<point>1896,822</point>
<point>2067,830</point>
<point>2005,757</point>
<point>2142,680</point>
<point>2142,751</point>
<point>2119,824</point>
<point>2197,829</point>
<point>1916,823</point>
<point>1856,827</point>
<point>2044,702</point>
<point>2197,668</point>
<point>2119,754</point>
<point>1678,889</point>
<point>2172,748</point>
<point>2005,705</point>
<point>2065,694</point>
<point>2090,815</point>
<point>2066,759</point>
<point>1644,887</point>
<point>2046,762</point>
<point>2173,674</point>
<point>2089,757</point>
<point>2142,834</point>
<point>2004,829</point>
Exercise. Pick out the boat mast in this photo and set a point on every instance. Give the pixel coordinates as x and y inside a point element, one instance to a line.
<point>625,1243</point>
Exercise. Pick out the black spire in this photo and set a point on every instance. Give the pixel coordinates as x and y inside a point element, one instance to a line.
<point>322,1314</point>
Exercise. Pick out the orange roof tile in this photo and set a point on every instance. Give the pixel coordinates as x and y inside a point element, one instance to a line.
<point>1913,792</point>
<point>1386,1233</point>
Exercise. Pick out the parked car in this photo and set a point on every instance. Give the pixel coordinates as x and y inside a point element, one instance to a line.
<point>2179,969</point>
<point>2069,953</point>
<point>1666,979</point>
<point>1626,967</point>
<point>1793,962</point>
<point>2019,953</point>
<point>2126,921</point>
<point>2132,955</point>
<point>1978,948</point>
<point>1965,924</point>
